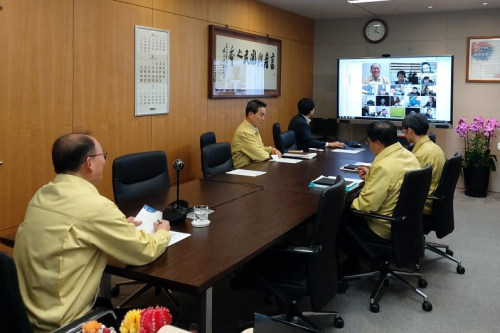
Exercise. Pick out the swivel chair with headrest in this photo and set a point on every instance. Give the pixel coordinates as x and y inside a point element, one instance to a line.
<point>136,176</point>
<point>287,141</point>
<point>291,273</point>
<point>407,243</point>
<point>13,316</point>
<point>442,220</point>
<point>276,135</point>
<point>207,139</point>
<point>216,158</point>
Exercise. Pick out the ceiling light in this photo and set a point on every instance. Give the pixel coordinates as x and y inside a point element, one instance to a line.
<point>429,7</point>
<point>363,1</point>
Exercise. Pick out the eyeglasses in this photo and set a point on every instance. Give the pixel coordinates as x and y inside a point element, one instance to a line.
<point>104,154</point>
<point>403,128</point>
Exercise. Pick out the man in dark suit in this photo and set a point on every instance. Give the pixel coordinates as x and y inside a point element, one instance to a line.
<point>300,126</point>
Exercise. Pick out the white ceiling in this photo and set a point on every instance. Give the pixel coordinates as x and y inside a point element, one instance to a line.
<point>331,9</point>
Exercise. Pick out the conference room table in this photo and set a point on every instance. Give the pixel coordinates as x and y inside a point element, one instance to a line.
<point>251,214</point>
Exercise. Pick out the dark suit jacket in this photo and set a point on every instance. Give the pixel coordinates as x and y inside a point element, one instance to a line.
<point>303,136</point>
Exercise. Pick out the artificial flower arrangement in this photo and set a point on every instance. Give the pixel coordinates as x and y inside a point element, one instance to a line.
<point>96,327</point>
<point>477,137</point>
<point>149,320</point>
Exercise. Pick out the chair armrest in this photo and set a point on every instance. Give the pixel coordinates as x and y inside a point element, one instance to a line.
<point>313,250</point>
<point>377,216</point>
<point>76,326</point>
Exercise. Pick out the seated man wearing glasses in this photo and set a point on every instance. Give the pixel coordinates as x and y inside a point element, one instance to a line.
<point>380,194</point>
<point>415,127</point>
<point>68,233</point>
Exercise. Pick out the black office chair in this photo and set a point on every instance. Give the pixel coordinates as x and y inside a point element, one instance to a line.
<point>432,136</point>
<point>442,220</point>
<point>136,176</point>
<point>276,135</point>
<point>13,316</point>
<point>287,141</point>
<point>407,243</point>
<point>216,158</point>
<point>292,273</point>
<point>207,139</point>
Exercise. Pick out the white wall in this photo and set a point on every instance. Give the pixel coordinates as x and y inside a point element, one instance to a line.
<point>423,34</point>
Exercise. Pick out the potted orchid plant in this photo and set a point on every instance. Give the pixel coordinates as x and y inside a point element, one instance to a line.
<point>478,161</point>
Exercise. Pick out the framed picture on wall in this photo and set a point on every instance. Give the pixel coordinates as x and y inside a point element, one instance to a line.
<point>483,59</point>
<point>243,65</point>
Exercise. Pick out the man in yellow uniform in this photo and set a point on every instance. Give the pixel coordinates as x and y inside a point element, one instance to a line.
<point>69,232</point>
<point>380,193</point>
<point>247,146</point>
<point>415,127</point>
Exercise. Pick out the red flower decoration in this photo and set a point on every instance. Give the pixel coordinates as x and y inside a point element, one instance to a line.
<point>152,319</point>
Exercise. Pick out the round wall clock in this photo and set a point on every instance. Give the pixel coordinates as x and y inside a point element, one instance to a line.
<point>375,30</point>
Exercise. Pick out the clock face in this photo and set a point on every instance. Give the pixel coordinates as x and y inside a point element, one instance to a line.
<point>375,31</point>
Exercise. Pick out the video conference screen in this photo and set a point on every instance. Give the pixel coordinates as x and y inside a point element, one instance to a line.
<point>392,87</point>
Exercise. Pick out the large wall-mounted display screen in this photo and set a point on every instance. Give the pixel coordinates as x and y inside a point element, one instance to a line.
<point>392,87</point>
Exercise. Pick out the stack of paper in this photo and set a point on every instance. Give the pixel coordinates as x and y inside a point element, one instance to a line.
<point>304,156</point>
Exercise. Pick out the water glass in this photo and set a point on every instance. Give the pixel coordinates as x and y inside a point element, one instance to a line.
<point>200,213</point>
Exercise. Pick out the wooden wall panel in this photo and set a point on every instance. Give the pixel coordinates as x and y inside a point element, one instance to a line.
<point>296,27</point>
<point>296,77</point>
<point>104,78</point>
<point>224,115</point>
<point>191,8</point>
<point>233,13</point>
<point>69,66</point>
<point>36,73</point>
<point>178,132</point>
<point>264,19</point>
<point>143,3</point>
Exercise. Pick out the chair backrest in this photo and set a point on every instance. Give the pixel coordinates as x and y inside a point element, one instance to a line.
<point>276,135</point>
<point>432,136</point>
<point>13,317</point>
<point>287,141</point>
<point>408,233</point>
<point>322,268</point>
<point>139,175</point>
<point>216,158</point>
<point>207,139</point>
<point>442,209</point>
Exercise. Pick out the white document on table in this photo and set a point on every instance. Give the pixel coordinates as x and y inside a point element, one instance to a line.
<point>149,215</point>
<point>284,159</point>
<point>348,151</point>
<point>243,172</point>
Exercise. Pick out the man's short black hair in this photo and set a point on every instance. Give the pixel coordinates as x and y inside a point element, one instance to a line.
<point>254,105</point>
<point>305,105</point>
<point>417,122</point>
<point>383,131</point>
<point>70,150</point>
<point>401,72</point>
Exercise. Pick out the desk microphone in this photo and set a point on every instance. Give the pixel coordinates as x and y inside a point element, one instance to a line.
<point>177,210</point>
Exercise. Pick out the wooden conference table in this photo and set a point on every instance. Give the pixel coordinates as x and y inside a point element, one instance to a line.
<point>251,214</point>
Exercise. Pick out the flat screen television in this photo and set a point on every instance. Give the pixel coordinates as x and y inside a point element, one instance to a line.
<point>389,88</point>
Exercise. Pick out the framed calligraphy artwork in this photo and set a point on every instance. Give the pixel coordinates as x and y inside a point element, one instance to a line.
<point>243,65</point>
<point>483,59</point>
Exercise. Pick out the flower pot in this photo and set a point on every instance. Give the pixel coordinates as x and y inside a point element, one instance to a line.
<point>476,180</point>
